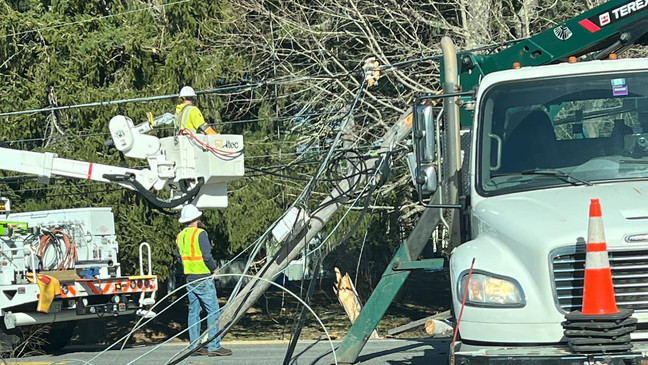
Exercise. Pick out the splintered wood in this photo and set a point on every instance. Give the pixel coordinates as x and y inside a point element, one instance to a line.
<point>348,297</point>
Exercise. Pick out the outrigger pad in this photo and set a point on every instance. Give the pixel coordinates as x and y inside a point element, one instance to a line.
<point>617,332</point>
<point>578,316</point>
<point>599,333</point>
<point>599,340</point>
<point>602,326</point>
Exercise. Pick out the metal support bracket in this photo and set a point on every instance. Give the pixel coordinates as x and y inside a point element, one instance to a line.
<point>428,264</point>
<point>404,261</point>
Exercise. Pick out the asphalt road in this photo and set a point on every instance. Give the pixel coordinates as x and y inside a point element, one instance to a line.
<point>389,351</point>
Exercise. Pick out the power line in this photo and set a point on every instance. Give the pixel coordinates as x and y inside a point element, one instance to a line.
<point>93,19</point>
<point>223,90</point>
<point>103,134</point>
<point>242,87</point>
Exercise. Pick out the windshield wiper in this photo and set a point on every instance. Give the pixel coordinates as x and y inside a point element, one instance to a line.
<point>557,173</point>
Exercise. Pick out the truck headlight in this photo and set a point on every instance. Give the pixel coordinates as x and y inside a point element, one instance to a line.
<point>485,290</point>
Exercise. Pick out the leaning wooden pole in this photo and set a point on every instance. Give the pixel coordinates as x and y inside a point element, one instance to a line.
<point>293,248</point>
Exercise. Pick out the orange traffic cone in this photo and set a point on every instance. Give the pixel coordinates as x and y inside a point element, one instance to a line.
<point>598,290</point>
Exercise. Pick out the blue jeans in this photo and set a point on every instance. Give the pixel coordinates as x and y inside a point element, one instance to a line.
<point>202,294</point>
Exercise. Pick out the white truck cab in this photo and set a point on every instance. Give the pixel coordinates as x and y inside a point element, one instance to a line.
<point>546,140</point>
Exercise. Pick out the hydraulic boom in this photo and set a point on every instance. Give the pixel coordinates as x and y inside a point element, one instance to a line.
<point>194,168</point>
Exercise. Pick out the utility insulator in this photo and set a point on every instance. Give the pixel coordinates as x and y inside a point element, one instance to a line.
<point>371,71</point>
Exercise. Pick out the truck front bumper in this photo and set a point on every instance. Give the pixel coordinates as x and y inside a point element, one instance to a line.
<point>543,354</point>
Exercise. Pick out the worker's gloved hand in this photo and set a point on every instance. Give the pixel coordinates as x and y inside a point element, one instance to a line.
<point>208,129</point>
<point>164,119</point>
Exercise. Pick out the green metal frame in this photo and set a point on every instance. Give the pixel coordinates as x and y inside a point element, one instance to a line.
<point>400,267</point>
<point>586,35</point>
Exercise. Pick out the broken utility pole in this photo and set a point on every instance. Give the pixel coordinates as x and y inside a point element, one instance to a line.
<point>294,247</point>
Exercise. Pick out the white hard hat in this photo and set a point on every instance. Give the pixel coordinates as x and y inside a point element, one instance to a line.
<point>187,91</point>
<point>189,213</point>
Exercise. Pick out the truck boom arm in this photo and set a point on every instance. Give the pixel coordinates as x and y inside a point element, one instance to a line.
<point>194,168</point>
<point>49,164</point>
<point>611,27</point>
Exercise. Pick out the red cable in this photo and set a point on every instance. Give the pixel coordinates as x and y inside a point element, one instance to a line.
<point>71,255</point>
<point>463,304</point>
<point>206,146</point>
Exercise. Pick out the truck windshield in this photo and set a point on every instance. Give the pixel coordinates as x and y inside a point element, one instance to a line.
<point>584,129</point>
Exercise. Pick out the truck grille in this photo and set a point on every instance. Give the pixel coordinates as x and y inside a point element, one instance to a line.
<point>629,274</point>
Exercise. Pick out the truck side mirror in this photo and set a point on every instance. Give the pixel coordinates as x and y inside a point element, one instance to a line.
<point>422,169</point>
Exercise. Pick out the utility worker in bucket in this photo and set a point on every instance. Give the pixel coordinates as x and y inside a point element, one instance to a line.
<point>198,263</point>
<point>188,116</point>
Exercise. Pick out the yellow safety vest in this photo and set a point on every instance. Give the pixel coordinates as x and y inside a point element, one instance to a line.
<point>192,259</point>
<point>189,117</point>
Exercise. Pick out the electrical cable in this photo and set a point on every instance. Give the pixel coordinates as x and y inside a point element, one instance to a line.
<point>224,90</point>
<point>66,260</point>
<point>215,151</point>
<point>355,167</point>
<point>339,199</point>
<point>50,187</point>
<point>104,134</point>
<point>139,323</point>
<point>174,361</point>
<point>345,119</point>
<point>312,284</point>
<point>324,164</point>
<point>370,183</point>
<point>364,240</point>
<point>42,250</point>
<point>308,189</point>
<point>262,171</point>
<point>152,198</point>
<point>47,188</point>
<point>487,47</point>
<point>463,304</point>
<point>28,178</point>
<point>256,245</point>
<point>301,301</point>
<point>302,315</point>
<point>344,238</point>
<point>244,87</point>
<point>267,172</point>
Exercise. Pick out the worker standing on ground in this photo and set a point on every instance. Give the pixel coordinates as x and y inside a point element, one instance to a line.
<point>188,116</point>
<point>198,263</point>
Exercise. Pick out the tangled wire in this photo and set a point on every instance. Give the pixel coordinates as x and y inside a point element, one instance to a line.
<point>65,259</point>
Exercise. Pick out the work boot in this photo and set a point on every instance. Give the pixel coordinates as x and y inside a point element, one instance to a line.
<point>201,352</point>
<point>221,352</point>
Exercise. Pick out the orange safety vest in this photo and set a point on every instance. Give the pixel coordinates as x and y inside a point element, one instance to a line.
<point>192,259</point>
